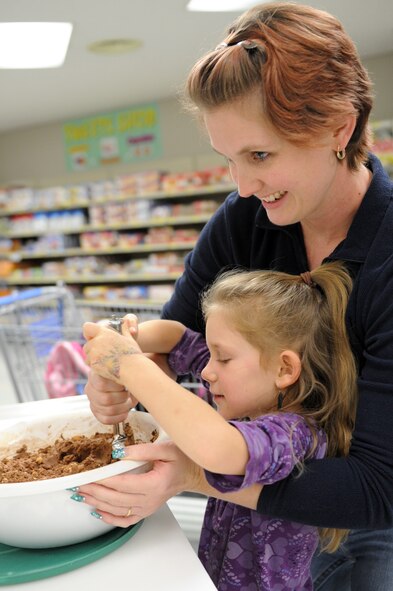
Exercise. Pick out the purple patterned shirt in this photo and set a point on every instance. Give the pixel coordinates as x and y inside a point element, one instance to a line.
<point>243,550</point>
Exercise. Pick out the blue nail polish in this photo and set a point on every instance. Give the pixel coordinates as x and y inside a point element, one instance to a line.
<point>73,488</point>
<point>77,498</point>
<point>96,515</point>
<point>118,454</point>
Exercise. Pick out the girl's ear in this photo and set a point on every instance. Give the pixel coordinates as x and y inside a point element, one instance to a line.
<point>289,369</point>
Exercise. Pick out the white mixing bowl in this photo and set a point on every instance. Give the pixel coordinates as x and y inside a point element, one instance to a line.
<point>40,514</point>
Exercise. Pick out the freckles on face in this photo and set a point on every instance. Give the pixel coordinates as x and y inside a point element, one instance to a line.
<point>293,182</point>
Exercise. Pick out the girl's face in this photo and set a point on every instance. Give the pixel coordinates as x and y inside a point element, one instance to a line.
<point>293,183</point>
<point>240,386</point>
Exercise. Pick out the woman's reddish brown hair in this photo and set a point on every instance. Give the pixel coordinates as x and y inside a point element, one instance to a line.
<point>305,68</point>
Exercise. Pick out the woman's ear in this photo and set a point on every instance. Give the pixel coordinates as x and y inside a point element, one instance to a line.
<point>289,369</point>
<point>343,133</point>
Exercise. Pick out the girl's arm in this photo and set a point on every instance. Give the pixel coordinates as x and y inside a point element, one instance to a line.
<point>199,431</point>
<point>157,336</point>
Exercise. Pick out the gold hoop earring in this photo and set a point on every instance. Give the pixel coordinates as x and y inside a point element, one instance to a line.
<point>341,153</point>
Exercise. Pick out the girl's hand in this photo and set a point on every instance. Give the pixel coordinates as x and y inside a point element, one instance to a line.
<point>105,348</point>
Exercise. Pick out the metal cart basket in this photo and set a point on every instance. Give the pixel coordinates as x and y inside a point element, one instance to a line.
<point>37,323</point>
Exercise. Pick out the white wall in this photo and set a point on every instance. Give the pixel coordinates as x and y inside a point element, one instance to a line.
<point>35,156</point>
<point>381,72</point>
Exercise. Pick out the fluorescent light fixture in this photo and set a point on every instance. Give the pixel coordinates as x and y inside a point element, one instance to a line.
<point>219,5</point>
<point>33,45</point>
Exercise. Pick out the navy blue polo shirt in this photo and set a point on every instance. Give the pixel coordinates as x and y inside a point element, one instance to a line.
<point>356,491</point>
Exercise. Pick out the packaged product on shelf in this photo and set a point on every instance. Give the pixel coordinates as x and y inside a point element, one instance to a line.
<point>161,210</point>
<point>173,183</point>
<point>94,292</point>
<point>160,235</point>
<point>97,215</point>
<point>8,245</point>
<point>135,266</point>
<point>114,213</point>
<point>204,206</point>
<point>52,197</point>
<point>160,292</point>
<point>84,266</point>
<point>148,182</point>
<point>129,239</point>
<point>137,210</point>
<point>220,175</point>
<point>182,210</point>
<point>98,240</point>
<point>135,292</point>
<point>21,199</point>
<point>185,235</point>
<point>21,222</point>
<point>163,262</point>
<point>48,243</point>
<point>113,269</point>
<point>139,183</point>
<point>184,181</point>
<point>54,269</point>
<point>101,191</point>
<point>78,194</point>
<point>4,198</point>
<point>7,268</point>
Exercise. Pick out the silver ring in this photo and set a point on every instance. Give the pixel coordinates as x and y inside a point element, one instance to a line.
<point>116,323</point>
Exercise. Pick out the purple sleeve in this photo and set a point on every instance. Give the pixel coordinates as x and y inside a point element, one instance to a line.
<point>190,355</point>
<point>276,443</point>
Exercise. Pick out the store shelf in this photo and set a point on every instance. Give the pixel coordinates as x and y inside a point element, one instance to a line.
<point>71,252</point>
<point>93,279</point>
<point>189,193</point>
<point>111,241</point>
<point>138,225</point>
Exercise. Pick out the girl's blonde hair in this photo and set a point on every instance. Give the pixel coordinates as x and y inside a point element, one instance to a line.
<point>275,311</point>
<point>304,67</point>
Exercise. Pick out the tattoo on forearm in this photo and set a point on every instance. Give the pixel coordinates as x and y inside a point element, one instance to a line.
<point>111,361</point>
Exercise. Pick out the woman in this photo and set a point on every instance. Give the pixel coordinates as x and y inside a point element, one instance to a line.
<point>286,101</point>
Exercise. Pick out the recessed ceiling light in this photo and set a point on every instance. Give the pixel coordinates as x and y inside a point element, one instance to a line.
<point>33,45</point>
<point>219,5</point>
<point>115,46</point>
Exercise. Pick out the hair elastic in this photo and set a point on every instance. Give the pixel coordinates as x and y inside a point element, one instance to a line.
<point>306,277</point>
<point>246,43</point>
<point>308,280</point>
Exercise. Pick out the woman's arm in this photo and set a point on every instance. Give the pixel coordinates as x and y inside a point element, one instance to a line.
<point>171,472</point>
<point>199,431</point>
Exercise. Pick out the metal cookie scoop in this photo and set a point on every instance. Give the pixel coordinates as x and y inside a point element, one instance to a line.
<point>118,428</point>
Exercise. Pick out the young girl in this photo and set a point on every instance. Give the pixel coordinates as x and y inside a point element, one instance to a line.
<point>283,380</point>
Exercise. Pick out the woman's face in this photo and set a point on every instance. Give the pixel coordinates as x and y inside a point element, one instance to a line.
<point>293,183</point>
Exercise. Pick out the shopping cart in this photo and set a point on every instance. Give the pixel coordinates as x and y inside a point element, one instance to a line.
<point>38,323</point>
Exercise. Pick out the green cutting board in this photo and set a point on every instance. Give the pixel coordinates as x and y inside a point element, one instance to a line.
<point>21,565</point>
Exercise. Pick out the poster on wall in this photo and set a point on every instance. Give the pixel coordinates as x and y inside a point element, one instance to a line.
<point>130,135</point>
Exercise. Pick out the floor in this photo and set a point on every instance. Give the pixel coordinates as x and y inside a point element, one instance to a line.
<point>188,509</point>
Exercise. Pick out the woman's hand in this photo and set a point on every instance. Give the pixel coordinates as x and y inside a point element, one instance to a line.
<point>125,499</point>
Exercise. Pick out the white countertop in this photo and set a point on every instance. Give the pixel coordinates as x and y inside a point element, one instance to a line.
<point>157,558</point>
